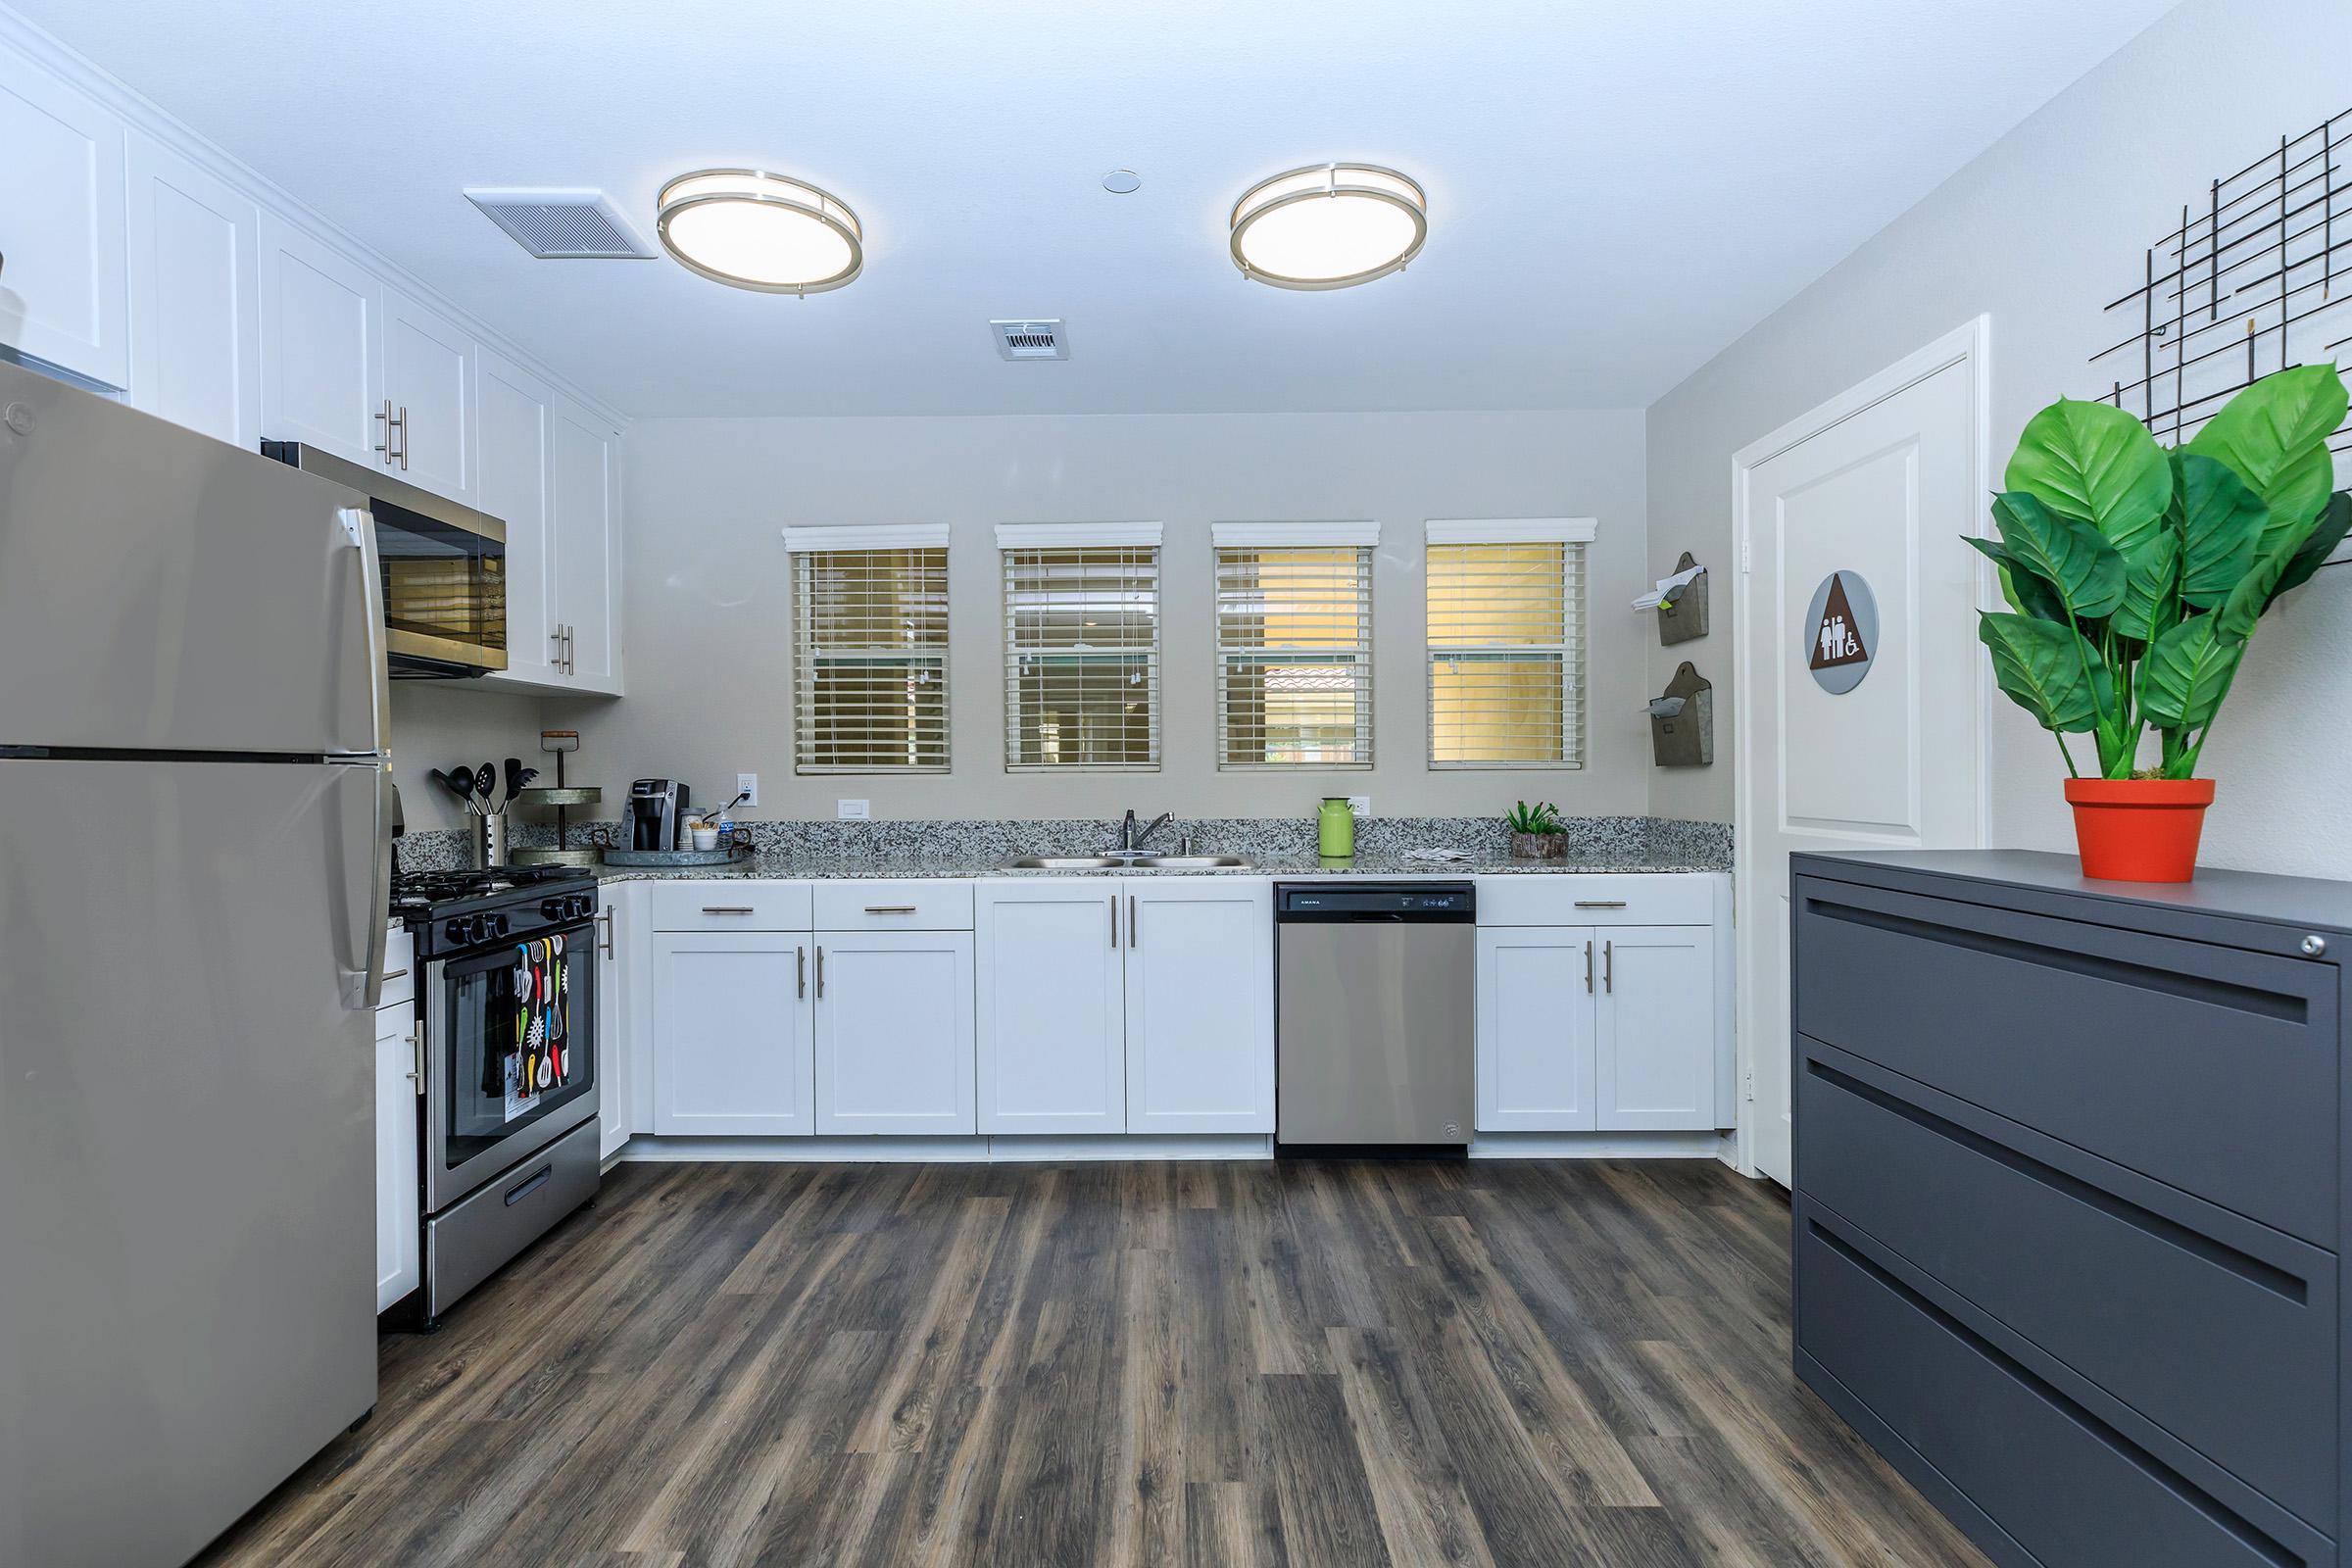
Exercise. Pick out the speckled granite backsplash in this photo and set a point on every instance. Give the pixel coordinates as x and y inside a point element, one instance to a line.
<point>1262,839</point>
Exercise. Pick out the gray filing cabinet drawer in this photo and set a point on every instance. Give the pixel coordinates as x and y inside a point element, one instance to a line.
<point>2230,1344</point>
<point>2179,1059</point>
<point>2056,1485</point>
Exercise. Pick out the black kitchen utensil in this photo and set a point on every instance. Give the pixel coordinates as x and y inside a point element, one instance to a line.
<point>515,779</point>
<point>485,781</point>
<point>460,784</point>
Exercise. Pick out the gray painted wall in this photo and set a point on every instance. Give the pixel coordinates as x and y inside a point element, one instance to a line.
<point>443,723</point>
<point>2040,233</point>
<point>709,654</point>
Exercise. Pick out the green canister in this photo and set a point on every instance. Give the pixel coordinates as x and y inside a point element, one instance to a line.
<point>1335,826</point>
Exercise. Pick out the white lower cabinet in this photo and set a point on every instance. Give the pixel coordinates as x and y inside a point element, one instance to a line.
<point>1049,976</point>
<point>1596,1028</point>
<point>1200,1004</point>
<point>616,1082</point>
<point>398,1267</point>
<point>894,1032</point>
<point>731,1033</point>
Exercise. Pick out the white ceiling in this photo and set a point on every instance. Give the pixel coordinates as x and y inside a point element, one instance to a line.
<point>1616,191</point>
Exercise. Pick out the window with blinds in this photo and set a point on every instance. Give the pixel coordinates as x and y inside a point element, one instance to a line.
<point>870,661</point>
<point>1294,656</point>
<point>1081,653</point>
<point>1506,647</point>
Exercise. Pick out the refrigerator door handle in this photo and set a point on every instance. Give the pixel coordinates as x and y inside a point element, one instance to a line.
<point>360,525</point>
<point>376,914</point>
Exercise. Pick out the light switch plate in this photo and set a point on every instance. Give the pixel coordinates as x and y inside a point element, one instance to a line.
<point>748,784</point>
<point>853,810</point>
<point>1361,805</point>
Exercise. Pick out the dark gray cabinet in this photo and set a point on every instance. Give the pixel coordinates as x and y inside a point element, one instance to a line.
<point>2071,1200</point>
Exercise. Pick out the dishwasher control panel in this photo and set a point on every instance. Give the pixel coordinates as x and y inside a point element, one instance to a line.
<point>1444,902</point>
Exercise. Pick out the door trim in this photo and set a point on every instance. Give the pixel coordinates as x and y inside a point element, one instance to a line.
<point>1969,344</point>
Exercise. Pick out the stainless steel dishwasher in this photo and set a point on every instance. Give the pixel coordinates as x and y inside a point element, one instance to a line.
<point>1374,1046</point>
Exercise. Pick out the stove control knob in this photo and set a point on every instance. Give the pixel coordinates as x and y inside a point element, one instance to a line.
<point>582,906</point>
<point>550,908</point>
<point>497,925</point>
<point>455,931</point>
<point>479,928</point>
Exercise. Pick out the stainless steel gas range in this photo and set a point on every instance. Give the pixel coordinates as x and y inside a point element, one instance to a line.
<point>506,999</point>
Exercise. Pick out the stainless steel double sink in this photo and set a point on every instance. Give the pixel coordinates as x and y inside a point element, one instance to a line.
<point>1135,863</point>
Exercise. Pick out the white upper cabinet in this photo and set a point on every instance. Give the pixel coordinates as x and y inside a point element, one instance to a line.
<point>585,488</point>
<point>428,379</point>
<point>195,296</point>
<point>516,423</point>
<point>1049,978</point>
<point>322,347</point>
<point>1199,960</point>
<point>64,298</point>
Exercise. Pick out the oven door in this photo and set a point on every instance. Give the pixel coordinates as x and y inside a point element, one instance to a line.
<point>512,1051</point>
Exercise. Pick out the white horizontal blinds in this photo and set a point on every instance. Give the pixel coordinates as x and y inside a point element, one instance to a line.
<point>870,656</point>
<point>1081,647</point>
<point>1506,643</point>
<point>1294,674</point>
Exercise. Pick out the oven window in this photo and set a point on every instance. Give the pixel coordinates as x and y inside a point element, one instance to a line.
<point>445,588</point>
<point>522,1038</point>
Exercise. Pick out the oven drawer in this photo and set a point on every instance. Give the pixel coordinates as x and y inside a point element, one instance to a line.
<point>925,906</point>
<point>740,905</point>
<point>2220,1331</point>
<point>474,1238</point>
<point>2177,1060</point>
<point>1958,1414</point>
<point>400,968</point>
<point>1575,897</point>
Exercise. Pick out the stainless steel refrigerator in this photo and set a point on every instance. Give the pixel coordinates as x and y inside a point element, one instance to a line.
<point>194,841</point>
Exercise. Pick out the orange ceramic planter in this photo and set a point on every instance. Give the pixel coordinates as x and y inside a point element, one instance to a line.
<point>2140,829</point>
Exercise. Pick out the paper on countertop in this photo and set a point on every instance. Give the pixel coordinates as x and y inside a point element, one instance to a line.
<point>1438,856</point>
<point>1665,589</point>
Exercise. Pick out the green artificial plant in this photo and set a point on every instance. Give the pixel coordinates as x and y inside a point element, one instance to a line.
<point>2134,573</point>
<point>1540,818</point>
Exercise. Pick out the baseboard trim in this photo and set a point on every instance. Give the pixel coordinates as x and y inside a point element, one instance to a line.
<point>1598,1146</point>
<point>646,1149</point>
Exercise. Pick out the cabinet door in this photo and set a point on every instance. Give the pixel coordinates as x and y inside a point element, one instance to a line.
<point>429,376</point>
<point>321,345</point>
<point>1052,1047</point>
<point>616,1082</point>
<point>397,1220</point>
<point>1535,990</point>
<point>1200,1004</point>
<point>894,1032</point>
<point>1655,1027</point>
<point>516,423</point>
<point>195,296</point>
<point>586,495</point>
<point>731,1033</point>
<point>63,297</point>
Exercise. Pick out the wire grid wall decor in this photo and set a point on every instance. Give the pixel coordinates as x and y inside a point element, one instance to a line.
<point>2257,278</point>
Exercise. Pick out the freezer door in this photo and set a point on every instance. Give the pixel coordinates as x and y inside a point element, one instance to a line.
<point>187,1285</point>
<point>163,591</point>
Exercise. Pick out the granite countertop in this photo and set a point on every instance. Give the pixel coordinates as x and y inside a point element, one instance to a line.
<point>945,866</point>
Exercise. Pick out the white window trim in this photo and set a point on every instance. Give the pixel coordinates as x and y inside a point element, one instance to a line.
<point>1293,535</point>
<point>867,536</point>
<point>1076,535</point>
<point>1510,530</point>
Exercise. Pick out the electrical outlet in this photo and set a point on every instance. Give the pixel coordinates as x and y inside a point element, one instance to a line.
<point>853,810</point>
<point>1361,805</point>
<point>748,785</point>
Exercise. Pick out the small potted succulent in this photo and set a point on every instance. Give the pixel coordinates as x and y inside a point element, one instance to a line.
<point>1537,832</point>
<point>2134,575</point>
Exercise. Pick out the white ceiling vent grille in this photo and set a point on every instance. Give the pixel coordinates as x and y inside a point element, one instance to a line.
<point>1031,340</point>
<point>564,224</point>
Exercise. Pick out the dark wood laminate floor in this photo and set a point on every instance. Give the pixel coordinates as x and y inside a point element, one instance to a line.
<point>1081,1366</point>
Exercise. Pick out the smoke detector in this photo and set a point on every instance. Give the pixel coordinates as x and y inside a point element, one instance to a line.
<point>1031,340</point>
<point>564,225</point>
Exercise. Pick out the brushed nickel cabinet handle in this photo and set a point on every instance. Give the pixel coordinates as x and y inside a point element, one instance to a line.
<point>1114,922</point>
<point>1588,966</point>
<point>1131,921</point>
<point>416,1057</point>
<point>801,963</point>
<point>394,974</point>
<point>1609,966</point>
<point>890,908</point>
<point>403,423</point>
<point>820,970</point>
<point>1601,903</point>
<point>727,909</point>
<point>384,418</point>
<point>606,920</point>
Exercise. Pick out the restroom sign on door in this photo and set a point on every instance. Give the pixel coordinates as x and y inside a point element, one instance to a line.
<point>1842,627</point>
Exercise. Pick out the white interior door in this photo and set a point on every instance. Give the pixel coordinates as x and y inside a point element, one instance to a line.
<point>1878,485</point>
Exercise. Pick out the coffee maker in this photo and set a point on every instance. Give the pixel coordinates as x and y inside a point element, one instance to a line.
<point>656,807</point>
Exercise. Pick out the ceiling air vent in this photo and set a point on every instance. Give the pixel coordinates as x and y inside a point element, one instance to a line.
<point>1031,340</point>
<point>565,225</point>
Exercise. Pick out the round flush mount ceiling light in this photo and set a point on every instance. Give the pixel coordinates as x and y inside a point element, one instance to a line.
<point>1329,226</point>
<point>749,228</point>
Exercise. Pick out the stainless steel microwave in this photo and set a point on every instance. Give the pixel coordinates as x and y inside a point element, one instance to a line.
<point>444,565</point>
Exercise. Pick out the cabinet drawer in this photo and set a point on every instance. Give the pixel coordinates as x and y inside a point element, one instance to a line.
<point>2218,1330</point>
<point>2064,1484</point>
<point>732,906</point>
<point>927,906</point>
<point>2211,1069</point>
<point>1570,898</point>
<point>400,968</point>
